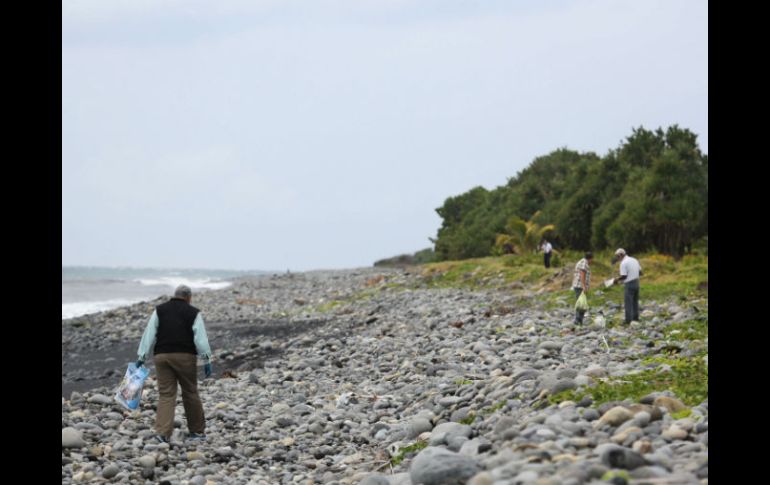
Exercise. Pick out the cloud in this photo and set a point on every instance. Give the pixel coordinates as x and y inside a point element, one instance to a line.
<point>350,119</point>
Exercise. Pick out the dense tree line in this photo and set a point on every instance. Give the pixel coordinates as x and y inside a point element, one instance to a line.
<point>651,193</point>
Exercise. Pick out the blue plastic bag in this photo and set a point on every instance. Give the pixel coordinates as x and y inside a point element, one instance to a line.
<point>130,390</point>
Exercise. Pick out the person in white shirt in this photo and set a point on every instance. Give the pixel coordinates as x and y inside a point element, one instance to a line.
<point>547,248</point>
<point>630,271</point>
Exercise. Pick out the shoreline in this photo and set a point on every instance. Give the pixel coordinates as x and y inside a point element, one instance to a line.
<point>94,357</point>
<point>372,374</point>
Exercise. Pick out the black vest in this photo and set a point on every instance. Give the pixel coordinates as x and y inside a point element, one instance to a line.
<point>175,322</point>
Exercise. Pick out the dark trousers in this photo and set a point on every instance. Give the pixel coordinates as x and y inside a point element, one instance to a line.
<point>547,258</point>
<point>578,313</point>
<point>631,300</point>
<point>178,369</point>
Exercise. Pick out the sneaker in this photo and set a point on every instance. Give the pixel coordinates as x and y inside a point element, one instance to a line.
<point>196,436</point>
<point>160,439</point>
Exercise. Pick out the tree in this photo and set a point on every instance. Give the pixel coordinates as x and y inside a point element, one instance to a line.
<point>523,236</point>
<point>649,193</point>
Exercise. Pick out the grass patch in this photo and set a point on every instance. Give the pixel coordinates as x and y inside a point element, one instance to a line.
<point>663,277</point>
<point>688,330</point>
<point>687,379</point>
<point>402,452</point>
<point>463,382</point>
<point>682,414</point>
<point>329,306</point>
<point>495,408</point>
<point>490,272</point>
<point>612,474</point>
<point>468,420</point>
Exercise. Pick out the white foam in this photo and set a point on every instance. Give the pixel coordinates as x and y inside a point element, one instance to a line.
<point>173,282</point>
<point>71,310</point>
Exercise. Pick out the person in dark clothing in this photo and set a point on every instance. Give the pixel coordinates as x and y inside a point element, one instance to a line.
<point>176,332</point>
<point>547,249</point>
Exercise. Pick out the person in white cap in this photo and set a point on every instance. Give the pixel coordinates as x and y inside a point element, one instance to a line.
<point>630,271</point>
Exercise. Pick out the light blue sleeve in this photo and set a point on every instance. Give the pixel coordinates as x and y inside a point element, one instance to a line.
<point>148,339</point>
<point>201,339</point>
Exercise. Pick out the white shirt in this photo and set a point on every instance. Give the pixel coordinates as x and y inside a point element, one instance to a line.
<point>630,268</point>
<point>547,247</point>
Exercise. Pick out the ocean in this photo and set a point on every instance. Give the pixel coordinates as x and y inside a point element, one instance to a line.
<point>88,289</point>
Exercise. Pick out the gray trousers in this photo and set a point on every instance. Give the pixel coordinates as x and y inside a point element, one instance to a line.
<point>631,300</point>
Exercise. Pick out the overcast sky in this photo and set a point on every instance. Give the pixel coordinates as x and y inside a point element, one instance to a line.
<point>279,134</point>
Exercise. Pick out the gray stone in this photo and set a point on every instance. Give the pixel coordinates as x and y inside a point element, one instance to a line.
<point>100,399</point>
<point>455,441</point>
<point>450,401</point>
<point>71,438</point>
<point>649,472</point>
<point>582,381</point>
<point>595,371</point>
<point>526,476</point>
<point>400,479</point>
<point>482,478</point>
<point>110,471</point>
<point>503,424</point>
<point>375,479</point>
<point>548,345</point>
<point>437,466</point>
<point>641,419</point>
<point>418,426</point>
<point>453,428</point>
<point>615,416</point>
<point>591,414</point>
<point>147,461</point>
<point>620,457</point>
<point>563,385</point>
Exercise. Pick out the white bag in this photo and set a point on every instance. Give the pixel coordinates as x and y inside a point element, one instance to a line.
<point>599,321</point>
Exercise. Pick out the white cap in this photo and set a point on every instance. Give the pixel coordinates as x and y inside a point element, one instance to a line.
<point>620,252</point>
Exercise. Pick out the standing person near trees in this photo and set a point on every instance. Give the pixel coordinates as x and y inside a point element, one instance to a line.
<point>630,271</point>
<point>547,249</point>
<point>581,281</point>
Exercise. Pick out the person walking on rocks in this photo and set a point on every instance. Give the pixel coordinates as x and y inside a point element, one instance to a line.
<point>547,248</point>
<point>581,282</point>
<point>630,271</point>
<point>177,333</point>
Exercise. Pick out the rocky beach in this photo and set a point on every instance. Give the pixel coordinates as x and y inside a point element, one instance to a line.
<point>381,376</point>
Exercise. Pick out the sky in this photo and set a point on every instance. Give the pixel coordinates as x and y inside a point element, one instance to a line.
<point>280,134</point>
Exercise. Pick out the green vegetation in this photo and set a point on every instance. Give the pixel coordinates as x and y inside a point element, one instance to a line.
<point>611,474</point>
<point>664,277</point>
<point>649,194</point>
<point>495,408</point>
<point>682,414</point>
<point>521,236</point>
<point>329,306</point>
<point>687,379</point>
<point>484,272</point>
<point>469,419</point>
<point>420,257</point>
<point>688,331</point>
<point>402,452</point>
